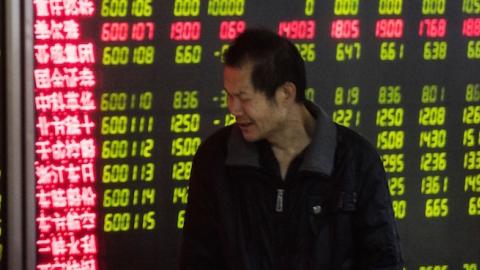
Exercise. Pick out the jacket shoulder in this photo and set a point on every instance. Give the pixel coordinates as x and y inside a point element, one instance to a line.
<point>214,144</point>
<point>350,141</point>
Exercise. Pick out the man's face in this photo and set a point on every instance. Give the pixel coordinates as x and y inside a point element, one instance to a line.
<point>257,116</point>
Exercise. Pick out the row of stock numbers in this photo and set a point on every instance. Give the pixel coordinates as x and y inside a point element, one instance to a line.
<point>192,8</point>
<point>390,143</point>
<point>471,144</point>
<point>184,123</point>
<point>346,30</point>
<point>433,138</point>
<point>124,8</point>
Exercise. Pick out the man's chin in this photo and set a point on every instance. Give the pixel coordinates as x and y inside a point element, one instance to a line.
<point>249,137</point>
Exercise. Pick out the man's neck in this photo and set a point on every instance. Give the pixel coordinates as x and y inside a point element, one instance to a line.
<point>293,138</point>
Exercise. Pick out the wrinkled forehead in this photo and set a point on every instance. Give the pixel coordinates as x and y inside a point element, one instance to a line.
<point>237,79</point>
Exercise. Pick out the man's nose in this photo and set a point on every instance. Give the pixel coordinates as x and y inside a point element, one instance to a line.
<point>234,106</point>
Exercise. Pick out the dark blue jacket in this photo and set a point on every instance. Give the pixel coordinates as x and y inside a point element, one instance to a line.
<point>333,212</point>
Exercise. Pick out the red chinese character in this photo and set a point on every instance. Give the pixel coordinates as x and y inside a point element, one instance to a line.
<point>71,29</point>
<point>58,125</point>
<point>74,198</point>
<point>41,8</point>
<point>71,8</point>
<point>88,173</point>
<point>42,30</point>
<point>73,221</point>
<point>56,29</point>
<point>72,101</point>
<point>71,77</point>
<point>59,171</point>
<point>71,54</point>
<point>73,149</point>
<point>88,148</point>
<point>56,7</point>
<point>44,225</point>
<point>88,124</point>
<point>59,198</point>
<point>57,54</point>
<point>88,196</point>
<point>57,102</point>
<point>88,244</point>
<point>73,247</point>
<point>42,102</point>
<point>86,7</point>
<point>60,222</point>
<point>58,150</point>
<point>45,174</point>
<point>88,220</point>
<point>73,265</point>
<point>59,246</point>
<point>42,78</point>
<point>41,53</point>
<point>43,245</point>
<point>72,123</point>
<point>86,101</point>
<point>57,79</point>
<point>73,174</point>
<point>86,77</point>
<point>43,199</point>
<point>85,52</point>
<point>43,149</point>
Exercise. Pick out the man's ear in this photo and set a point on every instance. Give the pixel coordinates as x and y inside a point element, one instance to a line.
<point>287,93</point>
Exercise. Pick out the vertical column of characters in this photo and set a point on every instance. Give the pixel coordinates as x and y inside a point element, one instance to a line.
<point>185,32</point>
<point>65,147</point>
<point>389,29</point>
<point>471,116</point>
<point>345,30</point>
<point>302,32</point>
<point>471,142</point>
<point>347,101</point>
<point>471,160</point>
<point>127,123</point>
<point>128,170</point>
<point>433,28</point>
<point>471,28</point>
<point>433,140</point>
<point>390,143</point>
<point>231,24</point>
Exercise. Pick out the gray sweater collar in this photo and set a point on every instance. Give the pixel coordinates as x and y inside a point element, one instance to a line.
<point>319,155</point>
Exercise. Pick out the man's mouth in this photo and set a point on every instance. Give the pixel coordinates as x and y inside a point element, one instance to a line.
<point>244,124</point>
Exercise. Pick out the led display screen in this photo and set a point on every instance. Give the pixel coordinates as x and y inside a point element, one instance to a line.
<point>126,90</point>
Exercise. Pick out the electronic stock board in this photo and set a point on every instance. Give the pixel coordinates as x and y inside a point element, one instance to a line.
<point>126,90</point>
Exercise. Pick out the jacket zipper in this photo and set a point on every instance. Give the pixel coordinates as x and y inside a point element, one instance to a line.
<point>279,204</point>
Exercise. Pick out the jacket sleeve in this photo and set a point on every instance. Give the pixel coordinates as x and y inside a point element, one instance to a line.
<point>200,248</point>
<point>376,236</point>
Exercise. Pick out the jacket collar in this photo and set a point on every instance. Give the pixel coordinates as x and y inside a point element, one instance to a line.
<point>319,155</point>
